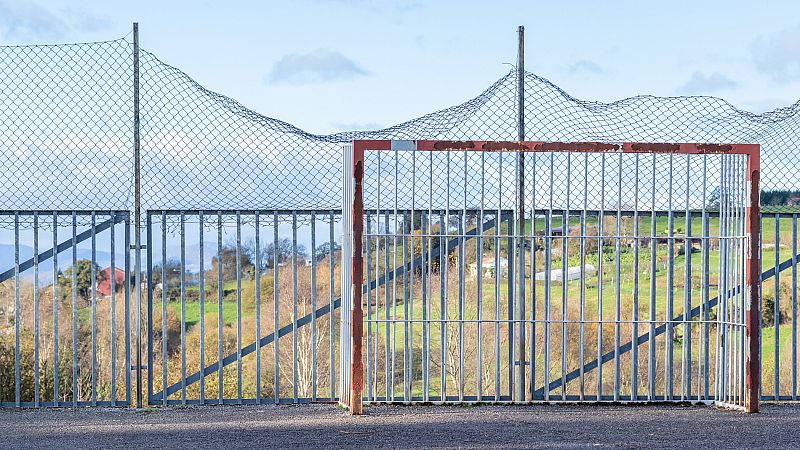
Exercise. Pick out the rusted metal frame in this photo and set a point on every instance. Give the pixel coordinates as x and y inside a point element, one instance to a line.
<point>357,319</point>
<point>750,150</point>
<point>579,147</point>
<point>753,264</point>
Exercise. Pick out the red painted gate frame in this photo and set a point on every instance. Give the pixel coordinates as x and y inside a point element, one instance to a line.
<point>752,219</point>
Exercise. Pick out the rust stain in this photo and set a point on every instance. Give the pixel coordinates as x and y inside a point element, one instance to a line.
<point>647,147</point>
<point>577,147</point>
<point>714,148</point>
<point>454,145</point>
<point>501,146</point>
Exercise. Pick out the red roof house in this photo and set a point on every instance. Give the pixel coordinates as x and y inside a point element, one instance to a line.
<point>104,281</point>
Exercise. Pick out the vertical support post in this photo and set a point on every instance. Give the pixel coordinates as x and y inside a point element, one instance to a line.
<point>521,384</point>
<point>137,213</point>
<point>356,321</point>
<point>753,326</point>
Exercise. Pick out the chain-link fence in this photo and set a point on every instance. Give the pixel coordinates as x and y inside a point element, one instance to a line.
<point>66,134</point>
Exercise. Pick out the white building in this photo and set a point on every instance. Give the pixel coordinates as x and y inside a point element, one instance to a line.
<point>488,267</point>
<point>573,273</point>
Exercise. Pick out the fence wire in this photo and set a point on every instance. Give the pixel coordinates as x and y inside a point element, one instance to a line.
<point>66,134</point>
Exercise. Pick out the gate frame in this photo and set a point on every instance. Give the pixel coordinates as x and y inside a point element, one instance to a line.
<point>352,246</point>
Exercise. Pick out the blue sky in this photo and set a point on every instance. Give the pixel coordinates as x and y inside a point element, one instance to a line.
<point>331,65</point>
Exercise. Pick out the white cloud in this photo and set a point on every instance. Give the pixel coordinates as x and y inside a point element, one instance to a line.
<point>778,56</point>
<point>584,66</point>
<point>700,84</point>
<point>316,67</point>
<point>26,20</point>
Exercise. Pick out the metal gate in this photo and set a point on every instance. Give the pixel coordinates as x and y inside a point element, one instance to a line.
<point>238,313</point>
<point>66,309</point>
<point>536,271</point>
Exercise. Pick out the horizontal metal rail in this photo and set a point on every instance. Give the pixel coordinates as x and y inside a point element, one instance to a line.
<point>661,329</point>
<point>287,329</point>
<point>27,264</point>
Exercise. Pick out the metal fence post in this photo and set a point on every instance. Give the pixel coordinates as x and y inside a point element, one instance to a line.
<point>357,326</point>
<point>521,384</point>
<point>137,215</point>
<point>753,263</point>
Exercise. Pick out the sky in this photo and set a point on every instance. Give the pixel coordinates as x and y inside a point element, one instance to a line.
<point>336,65</point>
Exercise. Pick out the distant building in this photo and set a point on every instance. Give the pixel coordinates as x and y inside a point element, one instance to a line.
<point>573,273</point>
<point>488,267</point>
<point>104,285</point>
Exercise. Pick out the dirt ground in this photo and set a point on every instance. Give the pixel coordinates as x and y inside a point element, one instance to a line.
<point>327,426</point>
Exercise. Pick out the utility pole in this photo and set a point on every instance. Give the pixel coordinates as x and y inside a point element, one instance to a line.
<point>521,384</point>
<point>137,213</point>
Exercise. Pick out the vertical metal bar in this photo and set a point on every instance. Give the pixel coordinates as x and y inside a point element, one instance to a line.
<point>753,276</point>
<point>93,271</point>
<point>411,276</point>
<point>564,279</point>
<point>113,290</point>
<point>150,362</point>
<point>426,273</point>
<point>137,213</point>
<point>651,348</point>
<point>331,308</point>
<point>794,306</point>
<point>428,293</point>
<point>127,297</point>
<point>510,289</point>
<point>257,281</point>
<point>357,316</point>
<point>17,310</point>
<point>461,282</point>
<point>635,300</point>
<point>742,276</point>
<point>521,209</point>
<point>75,393</point>
<point>313,307</point>
<point>443,316</point>
<point>721,292</point>
<point>670,287</point>
<point>55,309</point>
<point>220,291</point>
<point>776,313</point>
<point>183,306</point>
<point>496,316</point>
<point>202,288</point>
<point>479,299</point>
<point>164,288</point>
<point>705,269</point>
<point>600,235</point>
<point>35,308</point>
<point>617,283</point>
<point>368,221</point>
<point>534,244</point>
<point>582,300</point>
<point>548,255</point>
<point>479,282</point>
<point>406,318</point>
<point>378,241</point>
<point>686,357</point>
<point>498,220</point>
<point>239,307</point>
<point>389,395</point>
<point>276,315</point>
<point>396,217</point>
<point>295,366</point>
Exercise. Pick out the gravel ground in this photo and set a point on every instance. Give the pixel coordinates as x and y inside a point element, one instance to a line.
<point>325,426</point>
